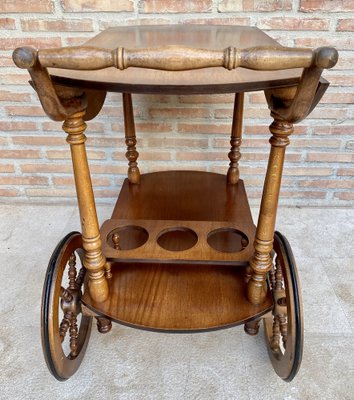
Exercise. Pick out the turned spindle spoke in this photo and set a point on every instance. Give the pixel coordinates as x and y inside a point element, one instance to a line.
<point>65,295</point>
<point>272,279</point>
<point>275,340</point>
<point>278,276</point>
<point>74,332</point>
<point>72,272</point>
<point>80,277</point>
<point>283,328</point>
<point>64,326</point>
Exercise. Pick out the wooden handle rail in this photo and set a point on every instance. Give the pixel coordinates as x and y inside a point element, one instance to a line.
<point>176,58</point>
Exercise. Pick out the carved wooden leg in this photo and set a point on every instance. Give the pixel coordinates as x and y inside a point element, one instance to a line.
<point>94,260</point>
<point>236,139</point>
<point>104,325</point>
<point>130,139</point>
<point>252,327</point>
<point>261,262</point>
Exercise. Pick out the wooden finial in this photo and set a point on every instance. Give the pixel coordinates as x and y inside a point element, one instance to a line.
<point>116,240</point>
<point>25,57</point>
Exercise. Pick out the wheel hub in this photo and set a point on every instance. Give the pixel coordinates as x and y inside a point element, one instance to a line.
<point>73,306</point>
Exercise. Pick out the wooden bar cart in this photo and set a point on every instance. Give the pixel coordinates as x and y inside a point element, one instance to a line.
<point>180,252</point>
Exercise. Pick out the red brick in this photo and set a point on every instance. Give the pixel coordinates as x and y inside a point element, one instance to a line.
<point>47,168</point>
<point>311,194</point>
<point>173,6</point>
<point>65,154</point>
<point>331,157</point>
<point>8,192</point>
<point>19,154</point>
<point>39,140</point>
<point>38,42</point>
<point>97,6</point>
<point>294,24</point>
<point>308,171</point>
<point>328,184</point>
<point>6,95</point>
<point>51,192</point>
<point>155,127</point>
<point>207,99</point>
<point>345,24</point>
<point>344,195</point>
<point>22,180</point>
<point>7,23</point>
<point>342,80</point>
<point>338,98</point>
<point>17,126</point>
<point>23,6</point>
<point>177,142</point>
<point>20,78</point>
<point>243,21</point>
<point>69,181</point>
<point>254,5</point>
<point>326,5</point>
<point>179,112</point>
<point>204,128</point>
<point>27,111</point>
<point>345,172</point>
<point>334,130</point>
<point>6,168</point>
<point>57,25</point>
<point>346,43</point>
<point>205,155</point>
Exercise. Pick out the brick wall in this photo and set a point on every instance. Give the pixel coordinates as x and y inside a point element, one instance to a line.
<point>34,158</point>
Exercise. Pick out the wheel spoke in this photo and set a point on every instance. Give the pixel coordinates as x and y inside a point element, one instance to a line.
<point>72,272</point>
<point>73,335</point>
<point>283,328</point>
<point>275,340</point>
<point>64,326</point>
<point>65,295</point>
<point>80,277</point>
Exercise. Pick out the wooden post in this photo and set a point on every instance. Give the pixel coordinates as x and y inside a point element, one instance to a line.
<point>261,262</point>
<point>130,139</point>
<point>236,140</point>
<point>94,260</point>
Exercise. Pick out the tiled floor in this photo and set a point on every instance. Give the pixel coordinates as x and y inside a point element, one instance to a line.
<point>227,364</point>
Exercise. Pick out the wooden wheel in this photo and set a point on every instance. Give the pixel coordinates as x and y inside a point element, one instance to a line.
<point>284,326</point>
<point>65,331</point>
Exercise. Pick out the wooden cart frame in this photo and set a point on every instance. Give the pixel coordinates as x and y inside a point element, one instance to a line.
<point>151,238</point>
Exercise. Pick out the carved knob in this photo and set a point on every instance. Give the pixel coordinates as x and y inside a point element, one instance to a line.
<point>25,57</point>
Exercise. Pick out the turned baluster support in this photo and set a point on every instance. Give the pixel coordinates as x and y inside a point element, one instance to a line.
<point>94,261</point>
<point>130,139</point>
<point>261,262</point>
<point>236,140</point>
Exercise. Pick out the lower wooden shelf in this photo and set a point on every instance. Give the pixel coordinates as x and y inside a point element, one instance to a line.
<point>177,298</point>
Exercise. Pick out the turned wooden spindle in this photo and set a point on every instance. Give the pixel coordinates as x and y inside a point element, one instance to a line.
<point>72,272</point>
<point>94,261</point>
<point>275,340</point>
<point>80,277</point>
<point>236,140</point>
<point>130,139</point>
<point>261,262</point>
<point>283,325</point>
<point>74,333</point>
<point>64,326</point>
<point>65,295</point>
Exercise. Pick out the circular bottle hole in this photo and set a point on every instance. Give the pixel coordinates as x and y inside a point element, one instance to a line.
<point>127,237</point>
<point>177,239</point>
<point>227,240</point>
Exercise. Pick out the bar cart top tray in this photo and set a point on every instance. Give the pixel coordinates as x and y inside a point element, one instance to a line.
<point>208,80</point>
